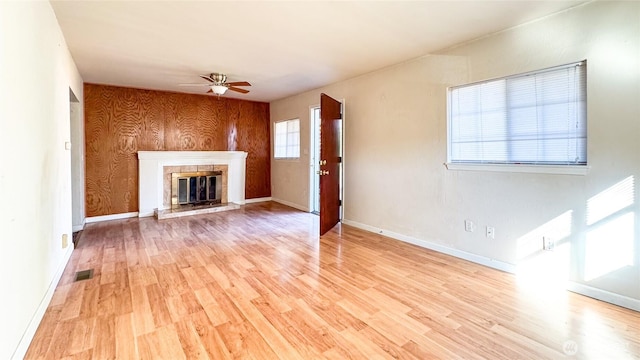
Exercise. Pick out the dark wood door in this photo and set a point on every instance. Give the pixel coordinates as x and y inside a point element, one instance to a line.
<point>330,158</point>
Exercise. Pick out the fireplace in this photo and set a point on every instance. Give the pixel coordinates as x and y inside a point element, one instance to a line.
<point>196,188</point>
<point>155,169</point>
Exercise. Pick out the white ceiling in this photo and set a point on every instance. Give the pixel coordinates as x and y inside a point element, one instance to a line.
<point>281,47</point>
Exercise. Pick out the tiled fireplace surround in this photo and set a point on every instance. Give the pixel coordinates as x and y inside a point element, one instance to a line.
<point>155,168</point>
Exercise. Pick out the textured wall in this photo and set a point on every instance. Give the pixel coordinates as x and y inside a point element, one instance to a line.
<point>121,121</point>
<point>396,143</point>
<point>34,126</point>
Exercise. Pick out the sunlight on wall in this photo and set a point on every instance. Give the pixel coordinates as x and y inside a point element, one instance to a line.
<point>542,280</point>
<point>539,269</point>
<point>610,247</point>
<point>614,199</point>
<point>610,239</point>
<point>557,229</point>
<point>547,269</point>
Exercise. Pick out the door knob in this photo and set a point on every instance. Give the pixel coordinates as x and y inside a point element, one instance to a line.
<point>323,162</point>
<point>325,172</point>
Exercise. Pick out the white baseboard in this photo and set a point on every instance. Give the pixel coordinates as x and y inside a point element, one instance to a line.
<point>79,227</point>
<point>603,295</point>
<point>293,205</point>
<point>112,217</point>
<point>482,260</point>
<point>256,200</point>
<point>27,337</point>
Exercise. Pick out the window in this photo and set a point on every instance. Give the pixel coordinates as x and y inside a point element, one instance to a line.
<point>287,139</point>
<point>537,118</point>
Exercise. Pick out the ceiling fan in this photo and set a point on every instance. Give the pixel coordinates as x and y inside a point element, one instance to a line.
<point>218,84</point>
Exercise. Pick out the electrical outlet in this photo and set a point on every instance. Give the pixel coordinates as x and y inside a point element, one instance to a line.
<point>469,226</point>
<point>65,241</point>
<point>548,243</point>
<point>491,232</point>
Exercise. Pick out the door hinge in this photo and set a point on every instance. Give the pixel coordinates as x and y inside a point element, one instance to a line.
<point>339,159</point>
<point>339,202</point>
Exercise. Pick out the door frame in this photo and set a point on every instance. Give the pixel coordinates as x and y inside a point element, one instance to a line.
<point>311,156</point>
<point>314,178</point>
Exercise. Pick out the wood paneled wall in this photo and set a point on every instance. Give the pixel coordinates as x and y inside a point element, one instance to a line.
<point>121,121</point>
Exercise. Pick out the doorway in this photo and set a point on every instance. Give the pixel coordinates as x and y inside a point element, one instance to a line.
<point>326,163</point>
<point>314,151</point>
<point>77,162</point>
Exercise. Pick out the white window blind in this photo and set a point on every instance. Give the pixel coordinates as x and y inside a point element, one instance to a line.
<point>287,139</point>
<point>533,118</point>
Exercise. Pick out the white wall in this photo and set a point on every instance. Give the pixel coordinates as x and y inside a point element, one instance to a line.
<point>395,147</point>
<point>36,72</point>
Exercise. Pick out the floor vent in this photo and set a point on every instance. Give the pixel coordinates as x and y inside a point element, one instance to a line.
<point>84,275</point>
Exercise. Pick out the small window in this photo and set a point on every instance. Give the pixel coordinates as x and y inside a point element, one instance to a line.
<point>537,118</point>
<point>286,144</point>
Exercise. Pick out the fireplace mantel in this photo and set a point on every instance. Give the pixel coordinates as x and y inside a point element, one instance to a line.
<point>150,171</point>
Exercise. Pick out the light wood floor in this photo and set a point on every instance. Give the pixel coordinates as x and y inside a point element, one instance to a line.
<point>257,283</point>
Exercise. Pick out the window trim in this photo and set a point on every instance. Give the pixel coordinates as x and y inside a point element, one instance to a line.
<point>562,169</point>
<point>286,158</point>
<point>521,168</point>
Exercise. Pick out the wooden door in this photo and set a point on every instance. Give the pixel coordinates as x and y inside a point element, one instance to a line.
<point>330,158</point>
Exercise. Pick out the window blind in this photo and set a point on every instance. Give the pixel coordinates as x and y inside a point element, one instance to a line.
<point>533,118</point>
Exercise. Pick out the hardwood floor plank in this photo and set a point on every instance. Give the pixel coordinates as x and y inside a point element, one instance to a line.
<point>365,346</point>
<point>142,314</point>
<point>273,337</point>
<point>163,343</point>
<point>126,341</point>
<point>40,344</point>
<point>72,306</point>
<point>90,297</point>
<point>60,340</point>
<point>196,277</point>
<point>85,355</point>
<point>105,343</point>
<point>209,336</point>
<point>83,336</point>
<point>244,342</point>
<point>159,309</point>
<point>395,351</point>
<point>258,283</point>
<point>190,340</point>
<point>306,341</point>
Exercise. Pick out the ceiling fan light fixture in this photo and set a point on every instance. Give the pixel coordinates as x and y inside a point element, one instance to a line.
<point>218,89</point>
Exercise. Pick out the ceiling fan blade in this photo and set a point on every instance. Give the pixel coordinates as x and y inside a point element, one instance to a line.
<point>207,78</point>
<point>238,83</point>
<point>210,91</point>
<point>242,91</point>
